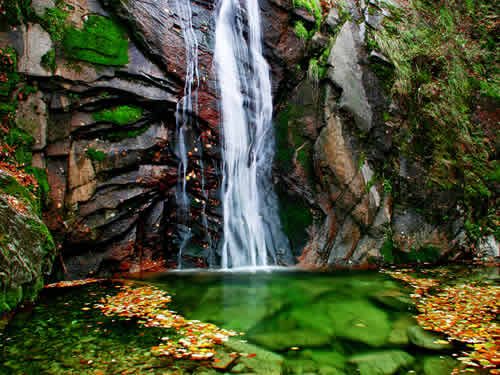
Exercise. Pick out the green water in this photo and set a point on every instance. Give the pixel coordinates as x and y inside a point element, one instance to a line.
<point>330,323</point>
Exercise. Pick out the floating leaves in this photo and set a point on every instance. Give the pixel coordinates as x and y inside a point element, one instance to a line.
<point>72,283</point>
<point>195,340</point>
<point>465,313</point>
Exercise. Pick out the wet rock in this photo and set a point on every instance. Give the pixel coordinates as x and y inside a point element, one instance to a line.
<point>411,229</point>
<point>346,73</point>
<point>303,338</point>
<point>264,362</point>
<point>37,43</point>
<point>352,8</point>
<point>426,339</point>
<point>331,359</point>
<point>232,298</point>
<point>27,248</point>
<point>358,320</point>
<point>333,19</point>
<point>373,18</point>
<point>489,247</point>
<point>439,365</point>
<point>40,6</point>
<point>399,333</point>
<point>32,118</point>
<point>382,363</point>
<point>393,299</point>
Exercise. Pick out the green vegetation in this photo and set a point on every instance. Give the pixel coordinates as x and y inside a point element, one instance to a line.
<point>301,30</point>
<point>121,115</point>
<point>394,255</point>
<point>54,22</point>
<point>312,6</point>
<point>95,155</point>
<point>39,231</point>
<point>289,140</point>
<point>49,61</point>
<point>295,217</point>
<point>446,78</point>
<point>10,186</point>
<point>101,41</point>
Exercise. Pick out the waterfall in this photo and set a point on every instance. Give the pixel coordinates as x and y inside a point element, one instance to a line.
<point>252,232</point>
<point>186,113</point>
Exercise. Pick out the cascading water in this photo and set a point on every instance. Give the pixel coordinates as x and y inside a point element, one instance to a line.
<point>187,110</point>
<point>252,233</point>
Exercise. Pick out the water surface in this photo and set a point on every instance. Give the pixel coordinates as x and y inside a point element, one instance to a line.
<point>338,323</point>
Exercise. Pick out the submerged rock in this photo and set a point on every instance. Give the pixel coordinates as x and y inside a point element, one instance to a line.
<point>426,339</point>
<point>359,321</point>
<point>382,363</point>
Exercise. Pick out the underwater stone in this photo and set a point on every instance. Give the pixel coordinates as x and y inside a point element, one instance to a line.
<point>426,339</point>
<point>382,363</point>
<point>359,320</point>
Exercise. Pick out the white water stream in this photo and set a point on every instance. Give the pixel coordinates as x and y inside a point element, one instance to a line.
<point>187,110</point>
<point>252,233</point>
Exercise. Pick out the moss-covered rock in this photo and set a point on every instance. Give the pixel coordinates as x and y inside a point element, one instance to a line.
<point>359,321</point>
<point>27,249</point>
<point>425,339</point>
<point>101,41</point>
<point>382,363</point>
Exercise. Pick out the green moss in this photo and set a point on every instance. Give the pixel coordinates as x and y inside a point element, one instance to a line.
<point>95,155</point>
<point>312,6</point>
<point>54,22</point>
<point>121,115</point>
<point>10,186</point>
<point>387,250</point>
<point>285,126</point>
<point>22,143</point>
<point>49,61</point>
<point>392,254</point>
<point>301,30</point>
<point>41,232</point>
<point>305,160</point>
<point>446,66</point>
<point>43,184</point>
<point>295,216</point>
<point>12,297</point>
<point>101,41</point>
<point>30,291</point>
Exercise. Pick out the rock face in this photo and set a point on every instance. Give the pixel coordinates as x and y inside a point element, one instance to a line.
<point>27,249</point>
<point>336,150</point>
<point>104,124</point>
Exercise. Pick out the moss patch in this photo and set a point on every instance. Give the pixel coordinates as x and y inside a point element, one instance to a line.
<point>101,41</point>
<point>49,61</point>
<point>95,155</point>
<point>295,216</point>
<point>446,65</point>
<point>312,6</point>
<point>9,185</point>
<point>121,115</point>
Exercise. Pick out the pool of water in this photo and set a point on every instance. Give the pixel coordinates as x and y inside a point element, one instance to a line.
<point>340,322</point>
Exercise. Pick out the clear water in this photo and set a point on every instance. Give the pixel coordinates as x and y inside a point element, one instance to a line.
<point>252,234</point>
<point>316,322</point>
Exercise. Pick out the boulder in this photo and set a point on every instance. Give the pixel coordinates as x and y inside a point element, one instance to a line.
<point>382,363</point>
<point>359,320</point>
<point>27,249</point>
<point>426,339</point>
